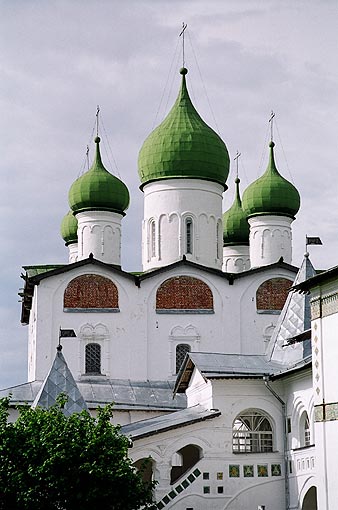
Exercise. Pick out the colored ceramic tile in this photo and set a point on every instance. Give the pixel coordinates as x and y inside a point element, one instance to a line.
<point>248,471</point>
<point>234,471</point>
<point>220,476</point>
<point>276,470</point>
<point>262,470</point>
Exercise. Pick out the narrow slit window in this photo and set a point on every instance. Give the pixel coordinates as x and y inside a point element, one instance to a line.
<point>189,235</point>
<point>152,239</point>
<point>181,351</point>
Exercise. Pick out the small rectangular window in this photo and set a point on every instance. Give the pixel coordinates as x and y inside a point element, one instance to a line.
<point>289,425</point>
<point>205,476</point>
<point>220,489</point>
<point>206,489</point>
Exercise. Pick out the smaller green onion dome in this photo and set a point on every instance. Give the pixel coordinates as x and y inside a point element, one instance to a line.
<point>183,146</point>
<point>69,228</point>
<point>98,190</point>
<point>271,194</point>
<point>235,224</point>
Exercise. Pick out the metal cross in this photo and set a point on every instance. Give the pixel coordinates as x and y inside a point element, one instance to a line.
<point>238,154</point>
<point>97,120</point>
<point>184,26</point>
<point>271,120</point>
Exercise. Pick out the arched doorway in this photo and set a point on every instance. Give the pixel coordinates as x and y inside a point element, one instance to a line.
<point>310,500</point>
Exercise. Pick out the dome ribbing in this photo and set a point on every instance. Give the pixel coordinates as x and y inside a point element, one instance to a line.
<point>271,194</point>
<point>183,146</point>
<point>235,224</point>
<point>68,228</point>
<point>98,190</point>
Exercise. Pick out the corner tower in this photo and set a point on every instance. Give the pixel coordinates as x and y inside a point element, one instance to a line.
<point>270,204</point>
<point>98,201</point>
<point>183,167</point>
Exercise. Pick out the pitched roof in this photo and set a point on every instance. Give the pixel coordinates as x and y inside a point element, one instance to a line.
<point>60,380</point>
<point>294,319</point>
<point>219,365</point>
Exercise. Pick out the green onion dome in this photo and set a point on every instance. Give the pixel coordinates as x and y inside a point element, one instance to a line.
<point>69,228</point>
<point>183,146</point>
<point>271,194</point>
<point>235,224</point>
<point>98,190</point>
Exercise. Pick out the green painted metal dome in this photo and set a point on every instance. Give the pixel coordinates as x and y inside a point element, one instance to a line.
<point>183,146</point>
<point>98,190</point>
<point>271,193</point>
<point>69,228</point>
<point>235,223</point>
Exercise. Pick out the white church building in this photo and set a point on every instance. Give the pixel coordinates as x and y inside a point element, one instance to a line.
<point>206,353</point>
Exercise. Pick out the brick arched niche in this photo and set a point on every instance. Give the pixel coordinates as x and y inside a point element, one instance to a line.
<point>184,294</point>
<point>271,295</point>
<point>91,292</point>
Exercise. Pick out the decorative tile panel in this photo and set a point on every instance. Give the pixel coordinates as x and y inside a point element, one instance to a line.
<point>329,305</point>
<point>234,471</point>
<point>276,470</point>
<point>315,309</point>
<point>248,471</point>
<point>262,470</point>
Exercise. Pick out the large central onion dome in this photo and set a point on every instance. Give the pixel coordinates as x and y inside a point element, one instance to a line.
<point>183,146</point>
<point>271,194</point>
<point>98,190</point>
<point>235,224</point>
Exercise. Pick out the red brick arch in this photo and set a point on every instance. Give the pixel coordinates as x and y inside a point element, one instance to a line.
<point>272,294</point>
<point>184,293</point>
<point>91,291</point>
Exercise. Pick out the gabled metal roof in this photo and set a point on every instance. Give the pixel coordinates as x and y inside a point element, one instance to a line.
<point>60,380</point>
<point>219,365</point>
<point>170,421</point>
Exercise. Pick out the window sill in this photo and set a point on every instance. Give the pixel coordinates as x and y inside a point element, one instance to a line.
<point>91,310</point>
<point>186,311</point>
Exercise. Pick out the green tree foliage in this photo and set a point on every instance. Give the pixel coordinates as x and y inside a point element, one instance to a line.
<point>49,461</point>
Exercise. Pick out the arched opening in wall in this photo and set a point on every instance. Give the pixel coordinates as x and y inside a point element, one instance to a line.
<point>310,500</point>
<point>181,351</point>
<point>183,460</point>
<point>145,467</point>
<point>91,292</point>
<point>93,359</point>
<point>182,294</point>
<point>304,430</point>
<point>189,236</point>
<point>271,295</point>
<point>252,432</point>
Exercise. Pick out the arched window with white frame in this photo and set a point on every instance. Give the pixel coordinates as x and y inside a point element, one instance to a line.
<point>252,432</point>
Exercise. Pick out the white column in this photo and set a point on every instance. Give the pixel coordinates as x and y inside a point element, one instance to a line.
<point>236,258</point>
<point>169,205</point>
<point>270,239</point>
<point>99,233</point>
<point>73,247</point>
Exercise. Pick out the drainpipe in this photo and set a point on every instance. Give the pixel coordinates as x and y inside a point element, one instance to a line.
<point>286,478</point>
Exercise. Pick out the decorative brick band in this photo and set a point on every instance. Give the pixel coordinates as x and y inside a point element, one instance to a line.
<point>272,294</point>
<point>184,293</point>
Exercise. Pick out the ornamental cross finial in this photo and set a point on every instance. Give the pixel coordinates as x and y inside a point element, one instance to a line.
<point>236,158</point>
<point>271,124</point>
<point>87,156</point>
<point>184,26</point>
<point>97,120</point>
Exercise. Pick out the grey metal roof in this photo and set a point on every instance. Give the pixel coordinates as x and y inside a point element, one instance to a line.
<point>213,364</point>
<point>126,394</point>
<point>60,380</point>
<point>170,421</point>
<point>219,365</point>
<point>294,319</point>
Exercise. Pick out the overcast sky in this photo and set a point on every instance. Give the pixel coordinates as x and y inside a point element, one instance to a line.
<point>60,59</point>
